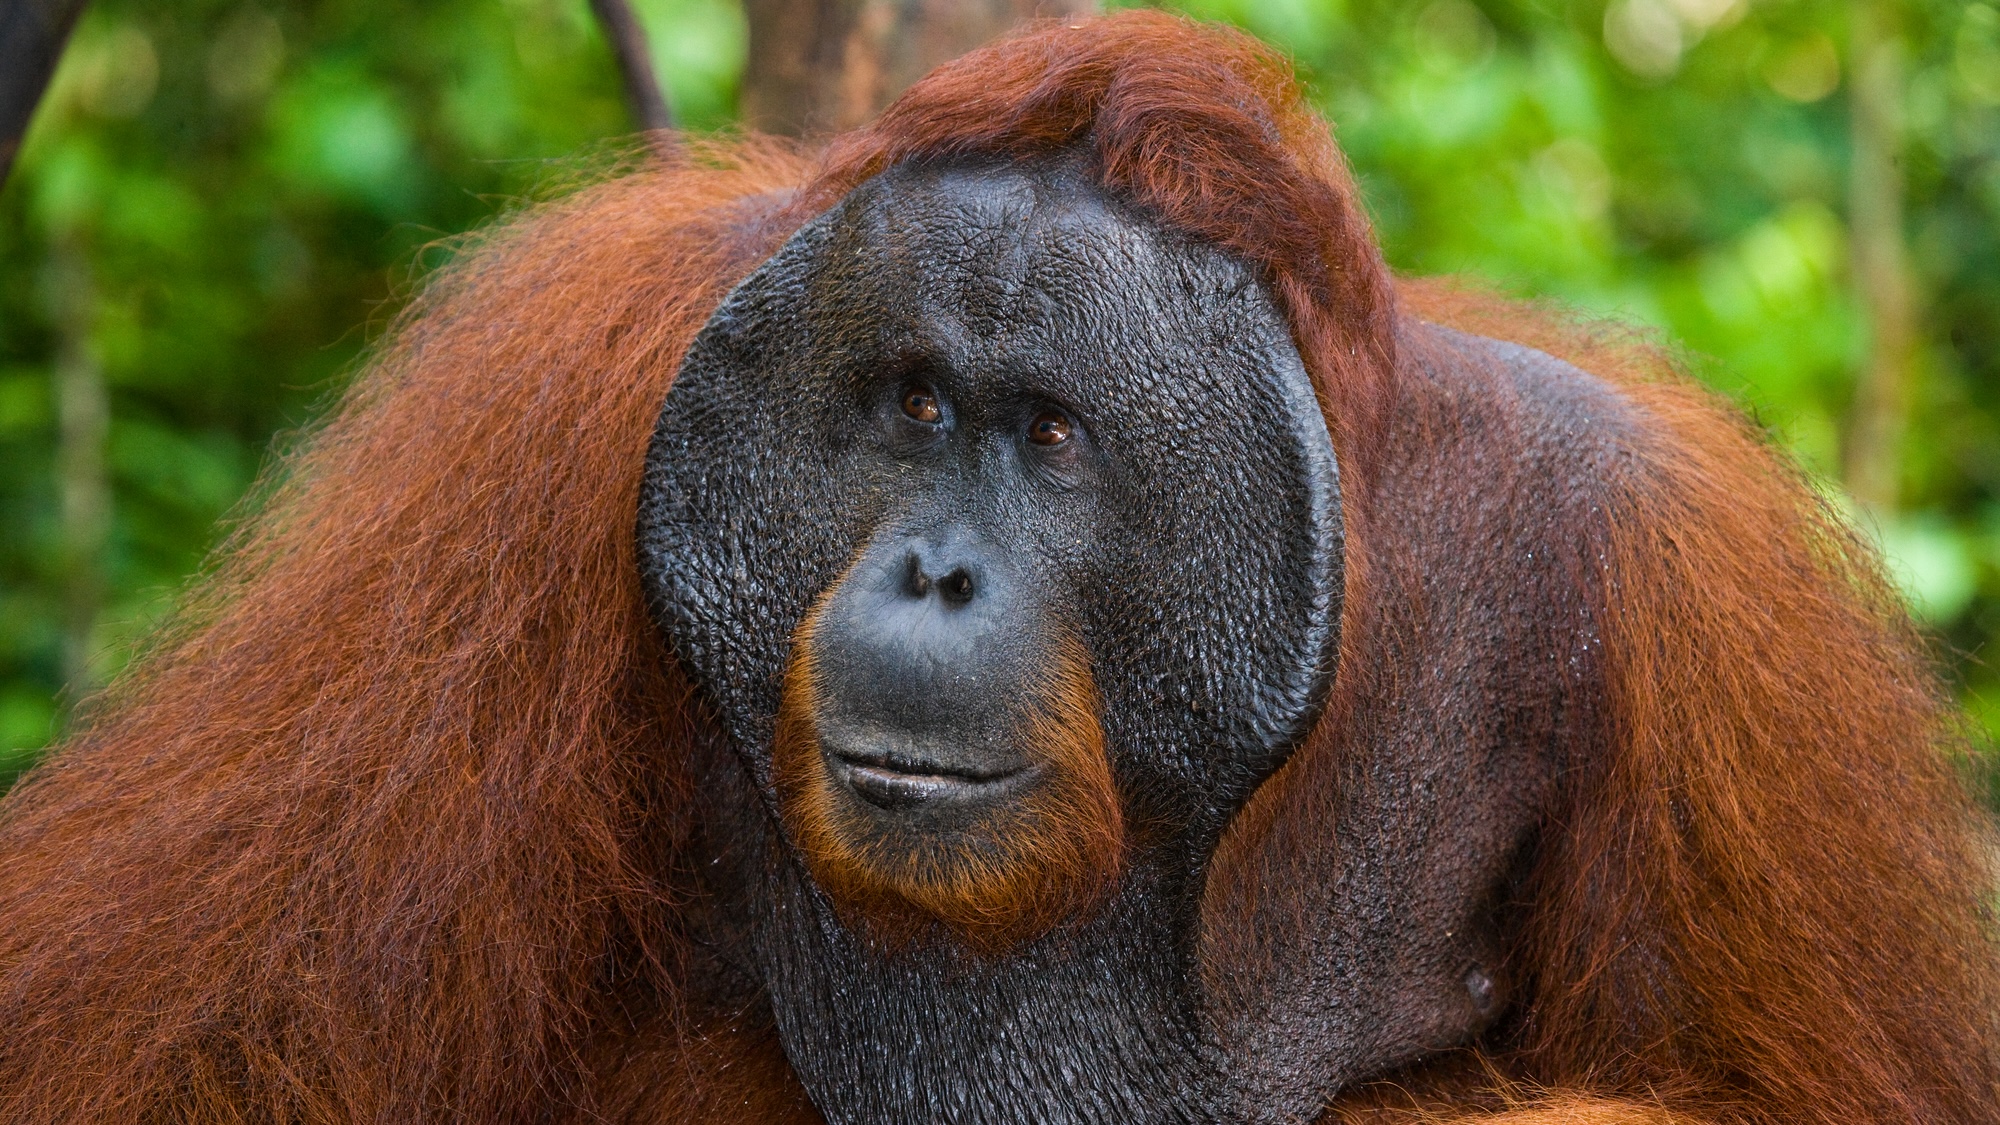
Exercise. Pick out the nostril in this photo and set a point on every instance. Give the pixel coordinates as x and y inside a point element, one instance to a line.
<point>956,586</point>
<point>921,576</point>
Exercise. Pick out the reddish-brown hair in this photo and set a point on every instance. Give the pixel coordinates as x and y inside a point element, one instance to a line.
<point>1761,896</point>
<point>1769,900</point>
<point>360,836</point>
<point>366,833</point>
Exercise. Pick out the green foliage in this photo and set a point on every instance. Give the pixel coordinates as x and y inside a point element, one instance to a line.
<point>249,191</point>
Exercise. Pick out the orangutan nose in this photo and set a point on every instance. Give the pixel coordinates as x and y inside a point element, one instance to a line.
<point>932,572</point>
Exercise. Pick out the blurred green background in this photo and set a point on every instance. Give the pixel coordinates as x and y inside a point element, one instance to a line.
<point>221,203</point>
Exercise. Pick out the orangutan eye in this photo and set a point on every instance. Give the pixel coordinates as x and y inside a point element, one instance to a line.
<point>1050,428</point>
<point>921,404</point>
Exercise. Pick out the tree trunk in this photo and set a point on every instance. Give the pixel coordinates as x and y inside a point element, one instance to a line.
<point>32,34</point>
<point>821,66</point>
<point>83,410</point>
<point>1882,280</point>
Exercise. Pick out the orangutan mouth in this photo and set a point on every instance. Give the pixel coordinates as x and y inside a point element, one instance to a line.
<point>894,781</point>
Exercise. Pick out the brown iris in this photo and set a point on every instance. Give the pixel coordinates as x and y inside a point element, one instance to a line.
<point>1048,428</point>
<point>922,405</point>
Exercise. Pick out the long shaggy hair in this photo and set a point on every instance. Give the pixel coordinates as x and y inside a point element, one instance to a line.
<point>373,830</point>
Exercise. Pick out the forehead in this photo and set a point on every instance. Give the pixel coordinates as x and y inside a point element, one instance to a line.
<point>1030,268</point>
<point>1018,226</point>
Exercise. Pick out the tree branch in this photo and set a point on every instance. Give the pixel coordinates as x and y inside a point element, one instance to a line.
<point>820,66</point>
<point>32,34</point>
<point>643,92</point>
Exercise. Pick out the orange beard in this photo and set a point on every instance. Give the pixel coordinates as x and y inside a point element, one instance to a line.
<point>1022,868</point>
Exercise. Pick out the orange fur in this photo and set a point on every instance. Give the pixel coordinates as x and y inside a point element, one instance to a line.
<point>1558,1110</point>
<point>358,838</point>
<point>725,1070</point>
<point>1764,898</point>
<point>1780,841</point>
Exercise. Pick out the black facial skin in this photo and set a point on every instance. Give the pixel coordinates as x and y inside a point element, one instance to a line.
<point>1011,414</point>
<point>923,651</point>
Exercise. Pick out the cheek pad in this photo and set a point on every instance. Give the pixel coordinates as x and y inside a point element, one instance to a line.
<point>743,518</point>
<point>1217,649</point>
